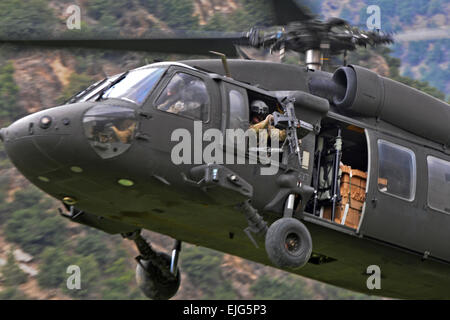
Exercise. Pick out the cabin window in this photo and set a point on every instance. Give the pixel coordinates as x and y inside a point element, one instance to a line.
<point>185,95</point>
<point>396,170</point>
<point>438,184</point>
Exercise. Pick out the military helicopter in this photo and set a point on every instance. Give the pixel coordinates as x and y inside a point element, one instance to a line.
<point>362,178</point>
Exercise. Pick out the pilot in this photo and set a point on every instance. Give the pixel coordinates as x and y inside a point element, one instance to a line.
<point>261,119</point>
<point>189,99</point>
<point>172,95</point>
<point>195,97</point>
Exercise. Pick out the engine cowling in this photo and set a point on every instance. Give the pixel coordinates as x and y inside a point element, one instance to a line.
<point>360,91</point>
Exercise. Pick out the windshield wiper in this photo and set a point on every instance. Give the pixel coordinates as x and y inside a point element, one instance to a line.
<point>84,92</point>
<point>109,86</point>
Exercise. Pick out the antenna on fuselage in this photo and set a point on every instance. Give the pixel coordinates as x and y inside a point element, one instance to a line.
<point>223,57</point>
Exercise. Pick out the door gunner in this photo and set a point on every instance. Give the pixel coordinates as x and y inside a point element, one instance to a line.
<point>261,119</point>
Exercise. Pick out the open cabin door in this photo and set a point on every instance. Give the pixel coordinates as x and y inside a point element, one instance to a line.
<point>341,174</point>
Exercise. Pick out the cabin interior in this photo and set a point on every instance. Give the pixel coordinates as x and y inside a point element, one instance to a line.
<point>347,180</point>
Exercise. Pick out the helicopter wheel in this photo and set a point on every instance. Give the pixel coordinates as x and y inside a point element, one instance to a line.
<point>153,283</point>
<point>288,243</point>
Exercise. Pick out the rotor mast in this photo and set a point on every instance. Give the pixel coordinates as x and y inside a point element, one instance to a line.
<point>314,59</point>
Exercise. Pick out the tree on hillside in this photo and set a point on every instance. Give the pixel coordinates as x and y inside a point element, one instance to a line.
<point>53,268</point>
<point>12,293</point>
<point>34,229</point>
<point>77,82</point>
<point>26,18</point>
<point>177,14</point>
<point>100,9</point>
<point>119,277</point>
<point>270,288</point>
<point>8,92</point>
<point>202,266</point>
<point>11,273</point>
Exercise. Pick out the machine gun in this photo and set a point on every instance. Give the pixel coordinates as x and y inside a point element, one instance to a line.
<point>295,128</point>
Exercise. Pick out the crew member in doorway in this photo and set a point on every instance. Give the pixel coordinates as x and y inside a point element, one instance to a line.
<point>262,120</point>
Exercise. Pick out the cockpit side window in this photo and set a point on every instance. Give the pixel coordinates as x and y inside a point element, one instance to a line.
<point>185,95</point>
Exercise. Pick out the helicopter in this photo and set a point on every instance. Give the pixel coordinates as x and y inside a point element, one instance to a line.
<point>360,179</point>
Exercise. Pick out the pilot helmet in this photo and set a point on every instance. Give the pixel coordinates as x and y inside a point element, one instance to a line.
<point>175,84</point>
<point>259,107</point>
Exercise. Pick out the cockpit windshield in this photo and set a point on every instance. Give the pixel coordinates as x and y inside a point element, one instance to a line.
<point>135,86</point>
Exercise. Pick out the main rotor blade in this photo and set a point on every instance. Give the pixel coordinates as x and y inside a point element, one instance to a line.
<point>289,11</point>
<point>182,44</point>
<point>423,34</point>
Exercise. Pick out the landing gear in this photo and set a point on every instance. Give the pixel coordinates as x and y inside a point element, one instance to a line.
<point>288,243</point>
<point>157,274</point>
<point>153,282</point>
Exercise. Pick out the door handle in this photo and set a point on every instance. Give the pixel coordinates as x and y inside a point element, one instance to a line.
<point>374,202</point>
<point>145,115</point>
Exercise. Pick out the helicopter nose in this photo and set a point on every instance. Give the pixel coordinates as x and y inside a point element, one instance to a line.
<point>46,140</point>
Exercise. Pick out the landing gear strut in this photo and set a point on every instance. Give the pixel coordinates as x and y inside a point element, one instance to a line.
<point>288,242</point>
<point>157,273</point>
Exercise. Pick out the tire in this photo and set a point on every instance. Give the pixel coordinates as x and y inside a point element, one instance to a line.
<point>153,284</point>
<point>288,243</point>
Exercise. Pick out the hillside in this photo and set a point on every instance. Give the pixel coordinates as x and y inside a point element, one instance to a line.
<point>421,60</point>
<point>31,80</point>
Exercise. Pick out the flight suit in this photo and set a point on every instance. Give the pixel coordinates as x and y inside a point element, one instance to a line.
<point>265,124</point>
